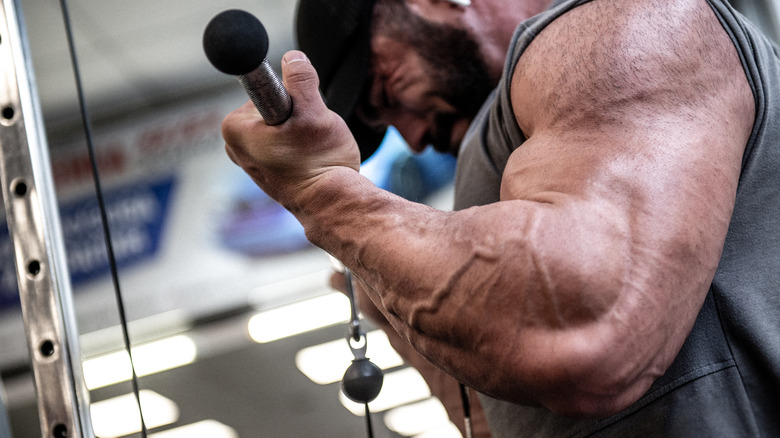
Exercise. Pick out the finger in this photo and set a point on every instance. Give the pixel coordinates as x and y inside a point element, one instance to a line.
<point>247,111</point>
<point>338,281</point>
<point>301,80</point>
<point>233,123</point>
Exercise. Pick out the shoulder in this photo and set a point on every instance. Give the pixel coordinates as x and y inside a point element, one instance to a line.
<point>609,57</point>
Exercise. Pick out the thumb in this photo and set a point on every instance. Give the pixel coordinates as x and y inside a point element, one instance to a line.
<point>300,79</point>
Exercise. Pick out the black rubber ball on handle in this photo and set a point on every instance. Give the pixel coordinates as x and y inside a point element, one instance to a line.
<point>235,42</point>
<point>362,381</point>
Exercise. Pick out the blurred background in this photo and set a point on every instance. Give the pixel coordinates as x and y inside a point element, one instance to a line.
<point>234,329</point>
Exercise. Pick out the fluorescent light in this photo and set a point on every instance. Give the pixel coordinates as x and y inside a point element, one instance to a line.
<point>164,354</point>
<point>297,286</point>
<point>149,358</point>
<point>201,429</point>
<point>326,363</point>
<point>416,418</point>
<point>141,330</point>
<point>399,388</point>
<point>300,317</point>
<point>445,431</point>
<point>119,416</point>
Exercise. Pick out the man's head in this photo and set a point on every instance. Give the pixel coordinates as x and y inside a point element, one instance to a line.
<point>383,64</point>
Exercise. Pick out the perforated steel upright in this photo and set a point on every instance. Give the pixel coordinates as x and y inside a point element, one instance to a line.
<point>34,226</point>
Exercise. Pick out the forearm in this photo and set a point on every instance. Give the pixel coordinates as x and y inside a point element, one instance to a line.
<point>476,292</point>
<point>567,301</point>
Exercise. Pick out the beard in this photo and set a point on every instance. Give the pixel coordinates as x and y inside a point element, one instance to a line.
<point>454,60</point>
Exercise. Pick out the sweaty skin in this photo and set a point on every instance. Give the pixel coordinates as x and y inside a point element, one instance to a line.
<point>577,290</point>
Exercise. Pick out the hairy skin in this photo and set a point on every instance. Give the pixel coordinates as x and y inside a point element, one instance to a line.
<point>577,290</point>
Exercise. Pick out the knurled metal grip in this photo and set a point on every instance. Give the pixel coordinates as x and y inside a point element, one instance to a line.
<point>267,93</point>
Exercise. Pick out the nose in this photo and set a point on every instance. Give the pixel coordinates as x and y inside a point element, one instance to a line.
<point>414,129</point>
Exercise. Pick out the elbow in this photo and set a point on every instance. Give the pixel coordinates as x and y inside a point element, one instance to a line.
<point>589,379</point>
<point>598,385</point>
<point>593,393</point>
<point>590,405</point>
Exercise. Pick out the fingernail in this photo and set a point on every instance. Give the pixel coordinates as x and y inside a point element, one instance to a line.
<point>291,57</point>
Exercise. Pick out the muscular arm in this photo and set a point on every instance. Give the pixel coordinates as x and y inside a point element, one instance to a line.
<point>576,290</point>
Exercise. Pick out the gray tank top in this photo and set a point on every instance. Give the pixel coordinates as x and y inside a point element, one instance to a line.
<point>725,382</point>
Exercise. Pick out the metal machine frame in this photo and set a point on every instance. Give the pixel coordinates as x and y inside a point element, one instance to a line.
<point>39,251</point>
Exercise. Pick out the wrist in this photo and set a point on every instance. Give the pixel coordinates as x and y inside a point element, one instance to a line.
<point>329,204</point>
<point>316,198</point>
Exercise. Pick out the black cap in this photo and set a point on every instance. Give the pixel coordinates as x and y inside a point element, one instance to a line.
<point>336,37</point>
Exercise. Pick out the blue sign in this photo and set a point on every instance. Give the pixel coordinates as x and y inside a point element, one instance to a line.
<point>136,215</point>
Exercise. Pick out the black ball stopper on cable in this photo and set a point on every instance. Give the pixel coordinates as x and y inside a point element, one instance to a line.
<point>362,381</point>
<point>236,43</point>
